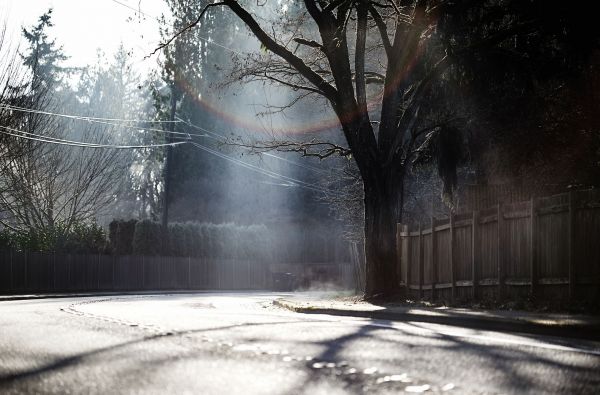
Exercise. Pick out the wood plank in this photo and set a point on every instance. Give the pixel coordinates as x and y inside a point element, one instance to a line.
<point>462,223</point>
<point>439,228</point>
<point>533,243</point>
<point>434,260</point>
<point>588,281</point>
<point>451,256</point>
<point>488,281</point>
<point>475,252</point>
<point>500,250</point>
<point>517,281</point>
<point>571,244</point>
<point>553,281</point>
<point>421,269</point>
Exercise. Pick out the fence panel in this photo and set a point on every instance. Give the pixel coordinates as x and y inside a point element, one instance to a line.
<point>488,248</point>
<point>40,271</point>
<point>547,246</point>
<point>462,251</point>
<point>586,246</point>
<point>442,249</point>
<point>516,243</point>
<point>6,270</point>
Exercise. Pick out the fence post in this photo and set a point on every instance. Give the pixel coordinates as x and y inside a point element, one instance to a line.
<point>500,263</point>
<point>98,271</point>
<point>12,281</point>
<point>189,282</point>
<point>399,228</point>
<point>25,255</point>
<point>408,259</point>
<point>143,273</point>
<point>434,260</point>
<point>452,275</point>
<point>54,270</point>
<point>475,252</point>
<point>113,272</point>
<point>533,244</point>
<point>160,265</point>
<point>571,243</point>
<point>420,260</point>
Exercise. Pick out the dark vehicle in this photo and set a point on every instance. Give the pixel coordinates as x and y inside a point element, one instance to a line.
<point>284,282</point>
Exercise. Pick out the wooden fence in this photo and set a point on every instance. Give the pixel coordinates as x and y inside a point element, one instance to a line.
<point>22,272</point>
<point>545,247</point>
<point>49,272</point>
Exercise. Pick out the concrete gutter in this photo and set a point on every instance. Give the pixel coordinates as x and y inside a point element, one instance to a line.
<point>561,325</point>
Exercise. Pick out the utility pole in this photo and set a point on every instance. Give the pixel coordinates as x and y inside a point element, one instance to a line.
<point>169,158</point>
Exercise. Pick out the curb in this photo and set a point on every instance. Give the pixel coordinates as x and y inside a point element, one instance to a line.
<point>589,331</point>
<point>9,298</point>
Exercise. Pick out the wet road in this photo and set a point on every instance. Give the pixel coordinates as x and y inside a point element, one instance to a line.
<point>218,343</point>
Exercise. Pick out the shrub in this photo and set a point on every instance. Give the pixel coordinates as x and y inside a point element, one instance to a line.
<point>148,239</point>
<point>121,236</point>
<point>195,239</point>
<point>79,238</point>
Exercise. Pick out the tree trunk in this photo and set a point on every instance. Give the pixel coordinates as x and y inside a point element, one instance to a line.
<point>381,216</point>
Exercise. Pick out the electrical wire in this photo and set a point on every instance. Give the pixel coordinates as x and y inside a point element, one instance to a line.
<point>104,121</point>
<point>52,140</point>
<point>114,122</point>
<point>81,117</point>
<point>216,136</point>
<point>268,173</point>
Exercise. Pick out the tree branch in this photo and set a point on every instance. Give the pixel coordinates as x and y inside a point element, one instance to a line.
<point>314,148</point>
<point>328,90</point>
<point>185,29</point>
<point>387,45</point>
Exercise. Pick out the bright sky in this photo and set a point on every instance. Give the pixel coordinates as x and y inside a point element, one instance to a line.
<point>83,26</point>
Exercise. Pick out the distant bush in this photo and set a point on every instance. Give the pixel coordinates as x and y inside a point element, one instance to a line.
<point>79,238</point>
<point>120,234</point>
<point>201,240</point>
<point>149,239</point>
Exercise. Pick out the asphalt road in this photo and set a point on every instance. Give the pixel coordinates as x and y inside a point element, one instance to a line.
<point>219,343</point>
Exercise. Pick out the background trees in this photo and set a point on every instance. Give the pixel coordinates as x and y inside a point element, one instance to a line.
<point>47,178</point>
<point>389,72</point>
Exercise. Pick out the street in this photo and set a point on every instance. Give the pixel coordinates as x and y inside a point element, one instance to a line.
<point>220,343</point>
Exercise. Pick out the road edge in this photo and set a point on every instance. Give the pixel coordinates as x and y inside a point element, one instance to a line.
<point>586,331</point>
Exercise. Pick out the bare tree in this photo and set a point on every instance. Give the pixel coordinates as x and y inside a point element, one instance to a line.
<point>374,62</point>
<point>45,180</point>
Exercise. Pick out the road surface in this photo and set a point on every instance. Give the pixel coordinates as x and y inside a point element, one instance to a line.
<point>239,343</point>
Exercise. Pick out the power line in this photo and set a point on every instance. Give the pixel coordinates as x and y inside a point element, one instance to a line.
<point>112,122</point>
<point>57,141</point>
<point>219,138</point>
<point>52,140</point>
<point>83,117</point>
<point>268,173</point>
<point>210,134</point>
<point>103,121</point>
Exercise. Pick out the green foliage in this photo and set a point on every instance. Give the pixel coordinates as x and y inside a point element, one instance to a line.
<point>201,240</point>
<point>43,56</point>
<point>79,238</point>
<point>120,234</point>
<point>148,239</point>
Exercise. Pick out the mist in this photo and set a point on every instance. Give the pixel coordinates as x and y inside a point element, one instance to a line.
<point>217,130</point>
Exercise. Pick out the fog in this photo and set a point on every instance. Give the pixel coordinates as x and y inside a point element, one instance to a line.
<point>216,129</point>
